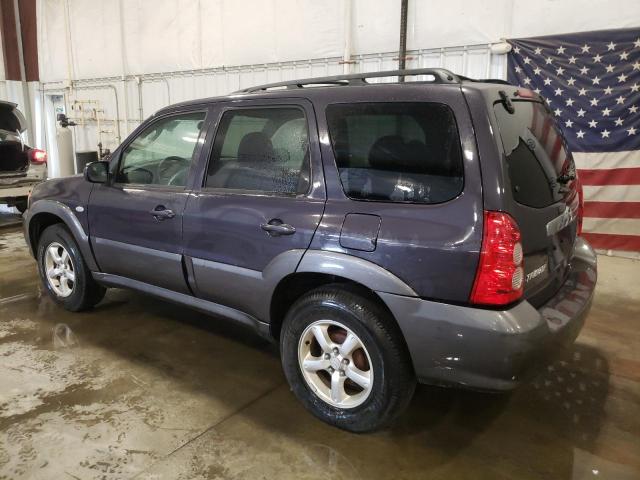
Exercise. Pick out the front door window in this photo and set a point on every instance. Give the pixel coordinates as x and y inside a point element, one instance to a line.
<point>162,153</point>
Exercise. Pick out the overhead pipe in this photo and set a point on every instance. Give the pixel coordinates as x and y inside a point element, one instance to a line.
<point>140,105</point>
<point>23,73</point>
<point>124,68</point>
<point>402,53</point>
<point>346,56</point>
<point>67,31</point>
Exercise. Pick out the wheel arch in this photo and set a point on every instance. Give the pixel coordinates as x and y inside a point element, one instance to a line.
<point>318,268</point>
<point>44,213</point>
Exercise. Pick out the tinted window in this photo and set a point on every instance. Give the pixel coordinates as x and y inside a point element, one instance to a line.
<point>162,153</point>
<point>399,152</point>
<point>535,152</point>
<point>261,149</point>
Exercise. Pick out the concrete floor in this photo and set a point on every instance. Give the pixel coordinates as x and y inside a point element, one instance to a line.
<point>139,388</point>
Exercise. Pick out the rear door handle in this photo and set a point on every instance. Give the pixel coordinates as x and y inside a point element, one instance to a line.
<point>161,213</point>
<point>276,228</point>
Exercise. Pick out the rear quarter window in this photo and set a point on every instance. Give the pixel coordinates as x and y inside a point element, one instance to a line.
<point>396,152</point>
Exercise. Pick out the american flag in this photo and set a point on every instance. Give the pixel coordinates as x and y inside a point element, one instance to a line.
<point>591,82</point>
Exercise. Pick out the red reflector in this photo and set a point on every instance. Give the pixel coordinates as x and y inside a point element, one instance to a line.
<point>500,276</point>
<point>37,156</point>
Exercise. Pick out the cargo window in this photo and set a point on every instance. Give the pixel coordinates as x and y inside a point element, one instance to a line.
<point>396,152</point>
<point>535,152</point>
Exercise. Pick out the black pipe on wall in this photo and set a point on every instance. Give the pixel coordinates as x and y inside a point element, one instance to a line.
<point>402,53</point>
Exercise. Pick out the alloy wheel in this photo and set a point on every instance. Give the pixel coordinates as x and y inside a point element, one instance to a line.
<point>335,364</point>
<point>59,270</point>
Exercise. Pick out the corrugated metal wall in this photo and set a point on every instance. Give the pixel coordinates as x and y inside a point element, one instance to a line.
<point>93,101</point>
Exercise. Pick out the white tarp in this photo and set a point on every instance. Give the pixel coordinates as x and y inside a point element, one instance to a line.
<point>170,35</point>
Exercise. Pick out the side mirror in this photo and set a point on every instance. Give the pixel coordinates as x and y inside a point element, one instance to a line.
<point>97,172</point>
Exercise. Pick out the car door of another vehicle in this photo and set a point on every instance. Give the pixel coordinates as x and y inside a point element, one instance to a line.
<point>135,220</point>
<point>261,198</point>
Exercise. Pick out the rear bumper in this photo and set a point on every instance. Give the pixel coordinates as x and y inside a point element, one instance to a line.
<point>494,349</point>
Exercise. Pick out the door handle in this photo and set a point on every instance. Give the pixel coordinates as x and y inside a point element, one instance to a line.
<point>161,213</point>
<point>276,228</point>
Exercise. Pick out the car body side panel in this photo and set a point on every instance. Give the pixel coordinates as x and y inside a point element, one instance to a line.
<point>223,237</point>
<point>252,290</point>
<point>432,248</point>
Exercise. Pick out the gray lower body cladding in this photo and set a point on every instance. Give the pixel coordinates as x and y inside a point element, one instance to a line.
<point>494,349</point>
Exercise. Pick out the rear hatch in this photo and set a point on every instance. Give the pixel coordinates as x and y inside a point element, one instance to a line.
<point>14,158</point>
<point>544,198</point>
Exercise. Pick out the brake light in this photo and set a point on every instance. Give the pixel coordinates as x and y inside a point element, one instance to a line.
<point>580,204</point>
<point>500,276</point>
<point>37,156</point>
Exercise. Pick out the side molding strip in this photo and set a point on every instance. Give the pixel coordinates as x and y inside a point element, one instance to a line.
<point>261,328</point>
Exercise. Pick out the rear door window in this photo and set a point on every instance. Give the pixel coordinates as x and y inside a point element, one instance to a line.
<point>261,150</point>
<point>536,153</point>
<point>396,152</point>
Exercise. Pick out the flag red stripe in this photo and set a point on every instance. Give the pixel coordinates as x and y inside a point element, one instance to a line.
<point>610,176</point>
<point>613,242</point>
<point>612,209</point>
<point>546,126</point>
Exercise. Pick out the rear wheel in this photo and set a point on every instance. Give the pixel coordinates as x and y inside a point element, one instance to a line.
<point>63,271</point>
<point>346,359</point>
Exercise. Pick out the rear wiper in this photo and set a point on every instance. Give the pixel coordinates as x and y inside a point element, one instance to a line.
<point>566,178</point>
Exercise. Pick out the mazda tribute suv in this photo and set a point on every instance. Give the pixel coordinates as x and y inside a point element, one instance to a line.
<point>383,233</point>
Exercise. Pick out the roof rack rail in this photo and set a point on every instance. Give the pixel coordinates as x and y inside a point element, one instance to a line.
<point>484,80</point>
<point>440,75</point>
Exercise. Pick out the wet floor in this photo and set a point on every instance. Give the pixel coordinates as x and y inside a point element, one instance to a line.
<point>8,219</point>
<point>139,388</point>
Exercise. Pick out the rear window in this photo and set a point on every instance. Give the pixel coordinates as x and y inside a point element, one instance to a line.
<point>536,153</point>
<point>396,152</point>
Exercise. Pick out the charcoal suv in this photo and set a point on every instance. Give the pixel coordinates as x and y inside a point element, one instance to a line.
<point>382,233</point>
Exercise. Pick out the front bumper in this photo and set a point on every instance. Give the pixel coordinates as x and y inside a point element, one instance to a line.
<point>494,349</point>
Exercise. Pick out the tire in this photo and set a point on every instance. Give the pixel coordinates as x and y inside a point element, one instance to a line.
<point>81,293</point>
<point>390,372</point>
<point>21,205</point>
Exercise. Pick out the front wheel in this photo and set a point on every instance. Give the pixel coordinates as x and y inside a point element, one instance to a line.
<point>63,271</point>
<point>346,359</point>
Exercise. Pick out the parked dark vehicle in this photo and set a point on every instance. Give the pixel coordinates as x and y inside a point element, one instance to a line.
<point>382,233</point>
<point>21,167</point>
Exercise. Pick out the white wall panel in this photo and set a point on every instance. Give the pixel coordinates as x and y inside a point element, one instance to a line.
<point>160,90</point>
<point>186,49</point>
<point>456,22</point>
<point>549,17</point>
<point>171,35</point>
<point>2,77</point>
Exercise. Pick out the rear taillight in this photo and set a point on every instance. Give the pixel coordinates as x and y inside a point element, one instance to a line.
<point>37,156</point>
<point>500,276</point>
<point>580,204</point>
